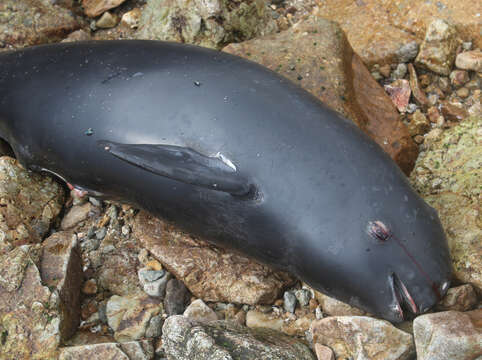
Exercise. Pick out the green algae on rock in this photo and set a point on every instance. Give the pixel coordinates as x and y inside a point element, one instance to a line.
<point>448,174</point>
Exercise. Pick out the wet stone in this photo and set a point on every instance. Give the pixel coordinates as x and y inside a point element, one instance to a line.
<point>469,60</point>
<point>303,296</point>
<point>459,77</point>
<point>154,329</point>
<point>460,298</point>
<point>399,72</point>
<point>177,297</point>
<point>289,301</point>
<point>407,52</point>
<point>154,281</point>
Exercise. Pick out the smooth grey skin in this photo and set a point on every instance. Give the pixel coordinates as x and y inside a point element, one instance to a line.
<point>301,188</point>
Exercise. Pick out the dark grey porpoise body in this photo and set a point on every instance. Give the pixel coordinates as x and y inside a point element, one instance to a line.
<point>232,152</point>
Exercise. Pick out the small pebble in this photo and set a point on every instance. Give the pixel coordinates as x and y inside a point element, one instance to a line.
<point>318,313</point>
<point>154,329</point>
<point>385,70</point>
<point>407,52</point>
<point>418,139</point>
<point>303,296</point>
<point>154,265</point>
<point>425,80</point>
<point>467,45</point>
<point>107,21</point>
<point>377,76</point>
<point>463,92</point>
<point>324,352</point>
<point>459,77</point>
<point>289,301</point>
<point>411,108</point>
<point>95,202</point>
<point>177,297</point>
<point>470,60</point>
<point>90,287</point>
<point>131,18</point>
<point>90,245</point>
<point>101,233</point>
<point>126,230</point>
<point>444,84</point>
<point>400,71</point>
<point>108,249</point>
<point>153,281</point>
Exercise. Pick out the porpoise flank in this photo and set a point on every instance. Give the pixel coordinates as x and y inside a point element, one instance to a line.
<point>234,153</point>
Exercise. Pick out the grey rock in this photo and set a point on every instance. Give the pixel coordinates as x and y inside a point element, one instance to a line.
<point>407,52</point>
<point>400,71</point>
<point>90,245</point>
<point>303,296</point>
<point>154,329</point>
<point>177,297</point>
<point>101,233</point>
<point>199,311</point>
<point>289,301</point>
<point>96,202</point>
<point>153,282</point>
<point>186,339</point>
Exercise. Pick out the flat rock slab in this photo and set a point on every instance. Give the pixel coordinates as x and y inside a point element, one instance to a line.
<point>186,339</point>
<point>361,337</point>
<point>29,203</point>
<point>32,22</point>
<point>210,273</point>
<point>132,350</point>
<point>450,335</point>
<point>447,175</point>
<point>317,55</point>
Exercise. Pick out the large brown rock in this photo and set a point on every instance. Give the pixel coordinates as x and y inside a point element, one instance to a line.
<point>28,204</point>
<point>316,55</point>
<point>362,337</point>
<point>39,298</point>
<point>31,22</point>
<point>378,29</point>
<point>450,335</point>
<point>210,273</point>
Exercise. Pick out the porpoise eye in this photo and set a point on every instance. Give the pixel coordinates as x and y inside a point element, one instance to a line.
<point>378,230</point>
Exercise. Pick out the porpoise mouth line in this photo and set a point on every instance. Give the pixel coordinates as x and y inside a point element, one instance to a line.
<point>419,267</point>
<point>402,296</point>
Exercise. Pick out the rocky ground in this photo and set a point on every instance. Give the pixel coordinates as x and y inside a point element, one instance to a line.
<point>86,279</point>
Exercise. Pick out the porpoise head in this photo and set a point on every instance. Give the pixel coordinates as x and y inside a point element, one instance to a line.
<point>391,257</point>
